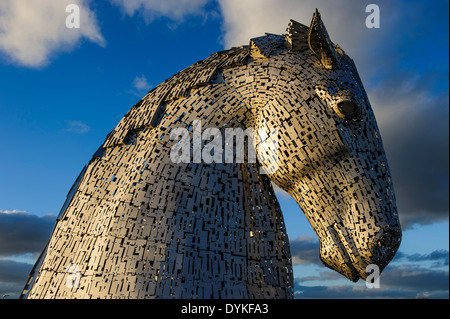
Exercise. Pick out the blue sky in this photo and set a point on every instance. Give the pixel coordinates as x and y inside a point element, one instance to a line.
<point>63,90</point>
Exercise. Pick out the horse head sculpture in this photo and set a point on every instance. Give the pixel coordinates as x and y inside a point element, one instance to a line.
<point>141,221</point>
<point>331,156</point>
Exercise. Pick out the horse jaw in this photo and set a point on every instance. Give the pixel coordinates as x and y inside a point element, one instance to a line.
<point>347,251</point>
<point>334,255</point>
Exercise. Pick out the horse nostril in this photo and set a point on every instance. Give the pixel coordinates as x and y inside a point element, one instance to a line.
<point>385,245</point>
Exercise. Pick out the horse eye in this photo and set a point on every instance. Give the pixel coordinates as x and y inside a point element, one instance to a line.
<point>347,108</point>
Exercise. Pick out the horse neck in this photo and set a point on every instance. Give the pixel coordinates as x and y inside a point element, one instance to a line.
<point>231,103</point>
<point>238,186</point>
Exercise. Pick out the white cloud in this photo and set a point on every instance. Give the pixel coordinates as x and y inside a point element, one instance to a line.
<point>140,86</point>
<point>153,9</point>
<point>32,31</point>
<point>251,18</point>
<point>140,83</point>
<point>77,127</point>
<point>344,20</point>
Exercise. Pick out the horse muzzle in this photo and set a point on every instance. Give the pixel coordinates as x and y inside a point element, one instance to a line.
<point>350,253</point>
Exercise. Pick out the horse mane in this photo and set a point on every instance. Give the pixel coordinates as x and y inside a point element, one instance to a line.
<point>147,113</point>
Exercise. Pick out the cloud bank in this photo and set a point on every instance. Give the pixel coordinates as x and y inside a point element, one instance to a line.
<point>395,282</point>
<point>408,275</point>
<point>13,276</point>
<point>23,233</point>
<point>22,236</point>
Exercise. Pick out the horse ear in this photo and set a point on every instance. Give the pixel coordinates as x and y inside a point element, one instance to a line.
<point>320,43</point>
<point>296,36</point>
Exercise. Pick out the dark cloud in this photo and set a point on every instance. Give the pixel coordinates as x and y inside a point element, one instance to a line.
<point>404,66</point>
<point>362,292</point>
<point>13,276</point>
<point>408,90</point>
<point>10,290</point>
<point>14,272</point>
<point>406,281</point>
<point>439,258</point>
<point>413,278</point>
<point>23,233</point>
<point>414,127</point>
<point>344,292</point>
<point>407,276</point>
<point>322,276</point>
<point>305,250</point>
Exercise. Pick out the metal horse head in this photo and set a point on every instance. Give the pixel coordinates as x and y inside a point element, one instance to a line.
<point>139,224</point>
<point>330,153</point>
